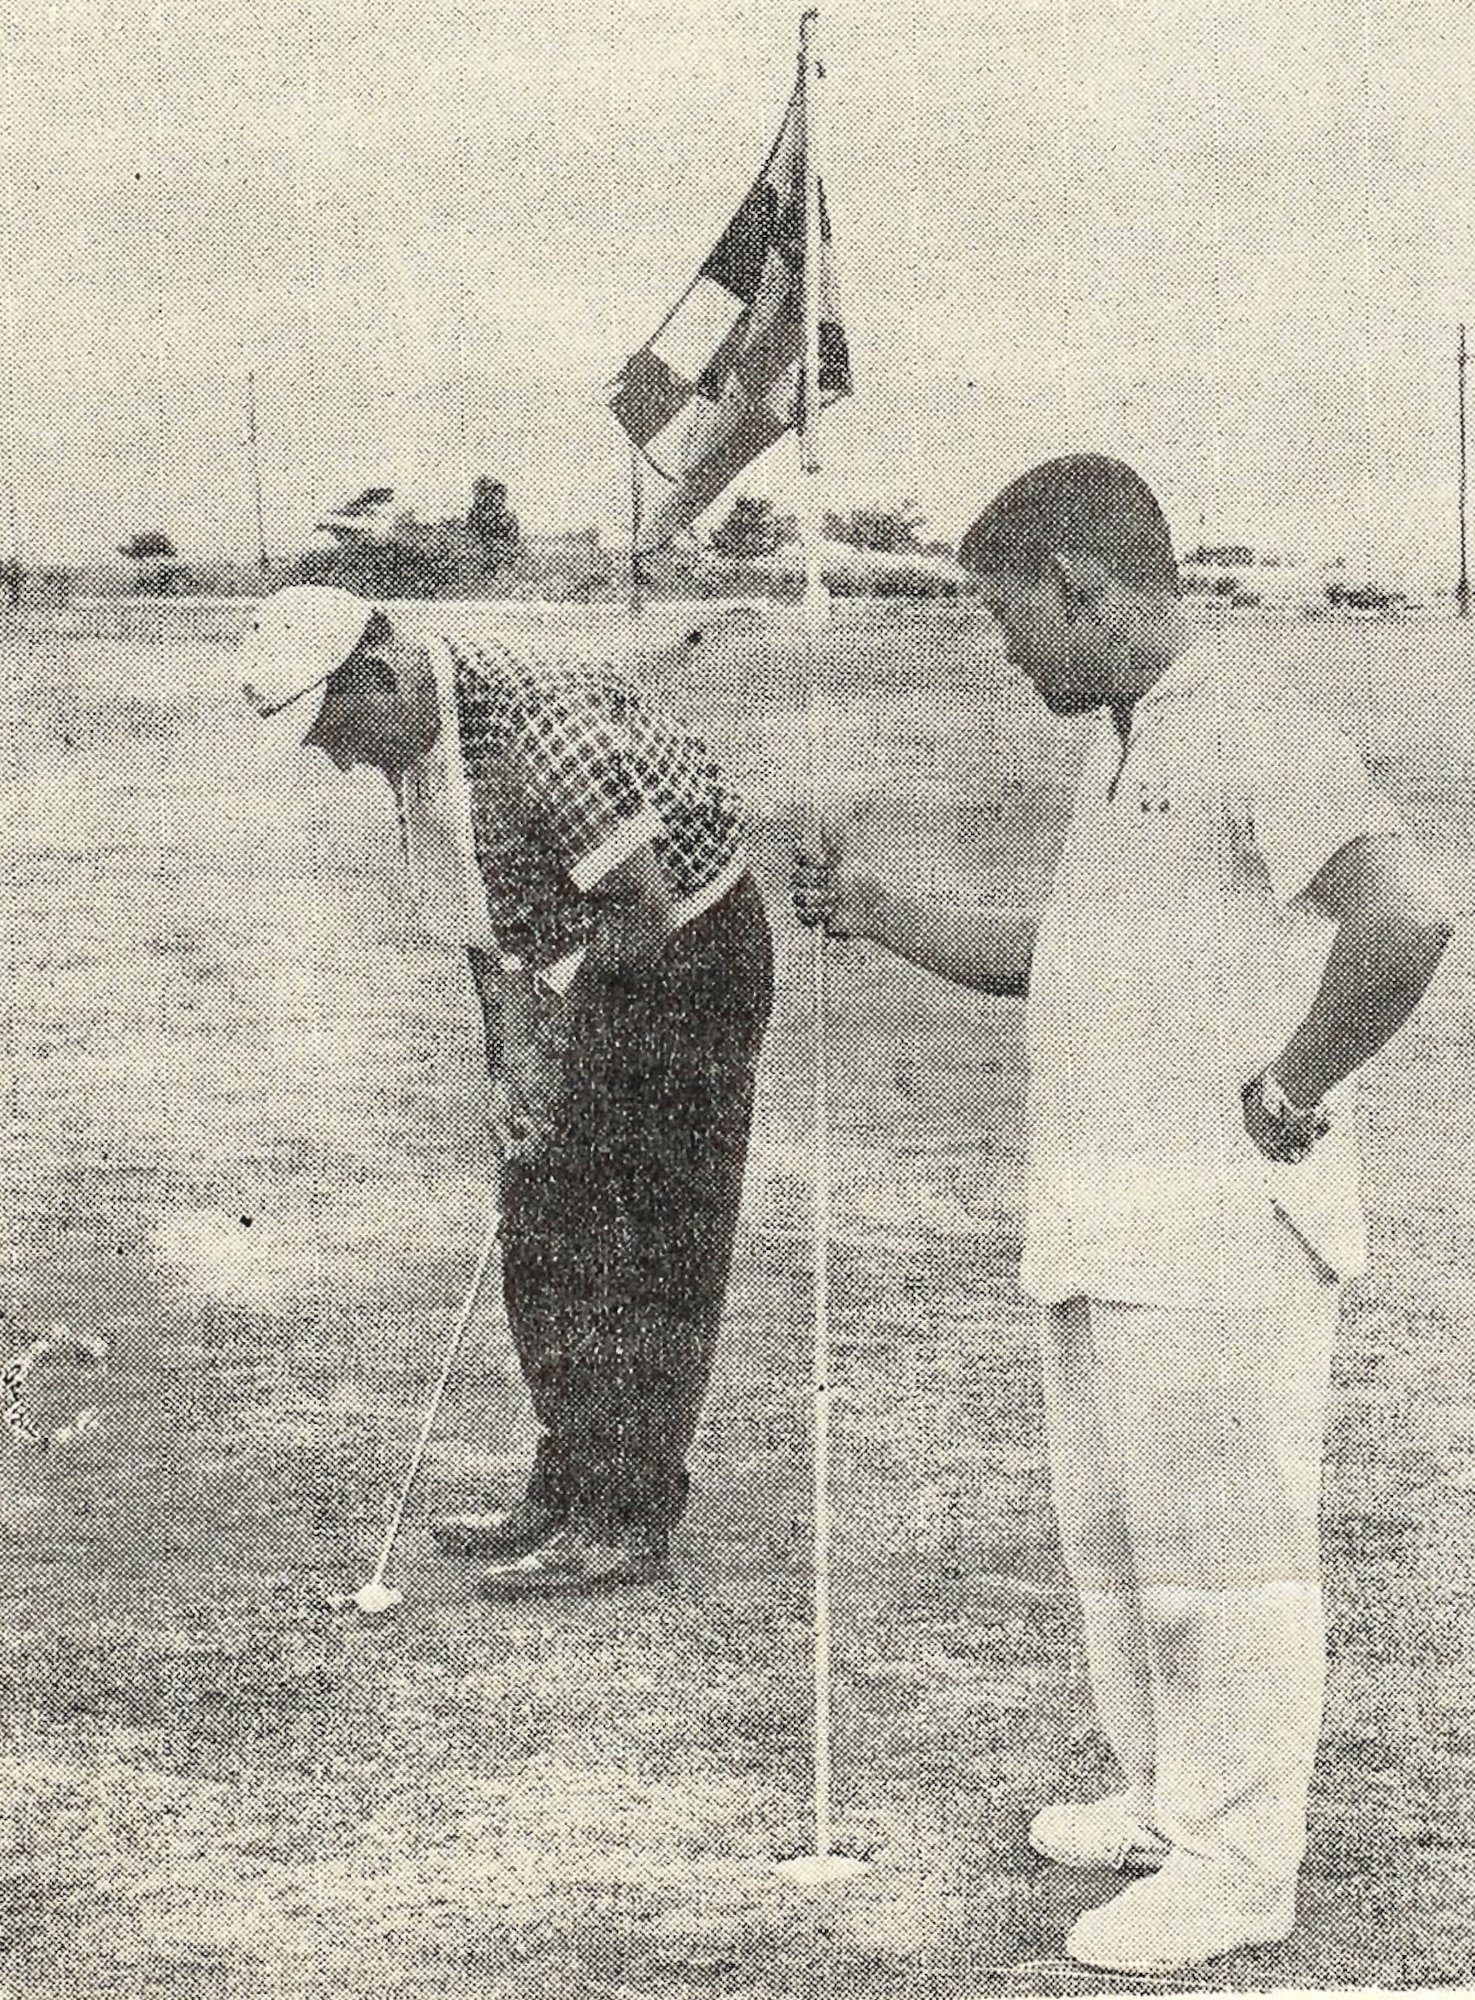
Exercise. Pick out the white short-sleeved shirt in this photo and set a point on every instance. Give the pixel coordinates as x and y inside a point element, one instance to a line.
<point>1176,956</point>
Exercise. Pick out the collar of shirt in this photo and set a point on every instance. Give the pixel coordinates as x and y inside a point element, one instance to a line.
<point>1187,673</point>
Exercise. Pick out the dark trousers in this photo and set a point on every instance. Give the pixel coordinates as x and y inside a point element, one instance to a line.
<point>617,1238</point>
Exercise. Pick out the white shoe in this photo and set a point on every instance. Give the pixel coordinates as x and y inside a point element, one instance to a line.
<point>1190,1911</point>
<point>1096,1833</point>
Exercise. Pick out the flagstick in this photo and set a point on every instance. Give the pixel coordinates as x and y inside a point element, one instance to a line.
<point>816,599</point>
<point>815,612</point>
<point>821,1866</point>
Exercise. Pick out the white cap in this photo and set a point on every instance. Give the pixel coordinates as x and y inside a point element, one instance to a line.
<point>298,638</point>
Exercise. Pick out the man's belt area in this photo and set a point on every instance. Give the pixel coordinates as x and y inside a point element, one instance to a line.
<point>559,976</point>
<point>697,904</point>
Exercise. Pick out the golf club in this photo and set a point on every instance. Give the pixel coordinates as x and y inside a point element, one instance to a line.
<point>375,1595</point>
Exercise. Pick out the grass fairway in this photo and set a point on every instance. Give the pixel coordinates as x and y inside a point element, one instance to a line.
<point>244,1143</point>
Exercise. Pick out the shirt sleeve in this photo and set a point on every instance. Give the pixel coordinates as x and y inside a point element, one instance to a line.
<point>1309,794</point>
<point>578,771</point>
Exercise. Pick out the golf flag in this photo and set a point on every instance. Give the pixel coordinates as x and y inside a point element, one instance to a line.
<point>721,379</point>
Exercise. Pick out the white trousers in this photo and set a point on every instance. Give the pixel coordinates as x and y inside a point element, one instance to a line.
<point>1185,1452</point>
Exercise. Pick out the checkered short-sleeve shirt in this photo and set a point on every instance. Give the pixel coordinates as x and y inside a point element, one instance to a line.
<point>570,771</point>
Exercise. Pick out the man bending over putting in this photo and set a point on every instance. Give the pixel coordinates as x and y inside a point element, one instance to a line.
<point>1235,925</point>
<point>547,806</point>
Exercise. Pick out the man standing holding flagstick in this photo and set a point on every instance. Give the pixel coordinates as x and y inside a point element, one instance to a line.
<point>1237,923</point>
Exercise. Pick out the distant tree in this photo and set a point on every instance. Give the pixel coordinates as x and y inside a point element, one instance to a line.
<point>158,572</point>
<point>148,545</point>
<point>493,523</point>
<point>888,530</point>
<point>373,568</point>
<point>369,544</point>
<point>752,527</point>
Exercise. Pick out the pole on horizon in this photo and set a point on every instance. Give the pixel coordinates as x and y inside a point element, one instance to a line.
<point>15,575</point>
<point>823,1865</point>
<point>263,561</point>
<point>1462,589</point>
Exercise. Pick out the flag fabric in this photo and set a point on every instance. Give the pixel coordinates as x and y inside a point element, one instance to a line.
<point>721,380</point>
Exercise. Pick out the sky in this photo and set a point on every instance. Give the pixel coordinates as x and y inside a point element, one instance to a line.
<point>1230,242</point>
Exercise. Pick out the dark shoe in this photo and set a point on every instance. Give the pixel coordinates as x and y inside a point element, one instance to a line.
<point>579,1562</point>
<point>503,1536</point>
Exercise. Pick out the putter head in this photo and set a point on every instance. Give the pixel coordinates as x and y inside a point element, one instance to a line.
<point>812,1871</point>
<point>370,1598</point>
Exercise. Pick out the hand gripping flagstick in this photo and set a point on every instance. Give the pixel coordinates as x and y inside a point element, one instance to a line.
<point>823,1865</point>
<point>375,1596</point>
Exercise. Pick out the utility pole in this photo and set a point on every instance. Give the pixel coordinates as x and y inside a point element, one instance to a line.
<point>1462,589</point>
<point>15,576</point>
<point>263,561</point>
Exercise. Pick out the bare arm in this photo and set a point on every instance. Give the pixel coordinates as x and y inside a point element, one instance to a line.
<point>1392,929</point>
<point>987,947</point>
